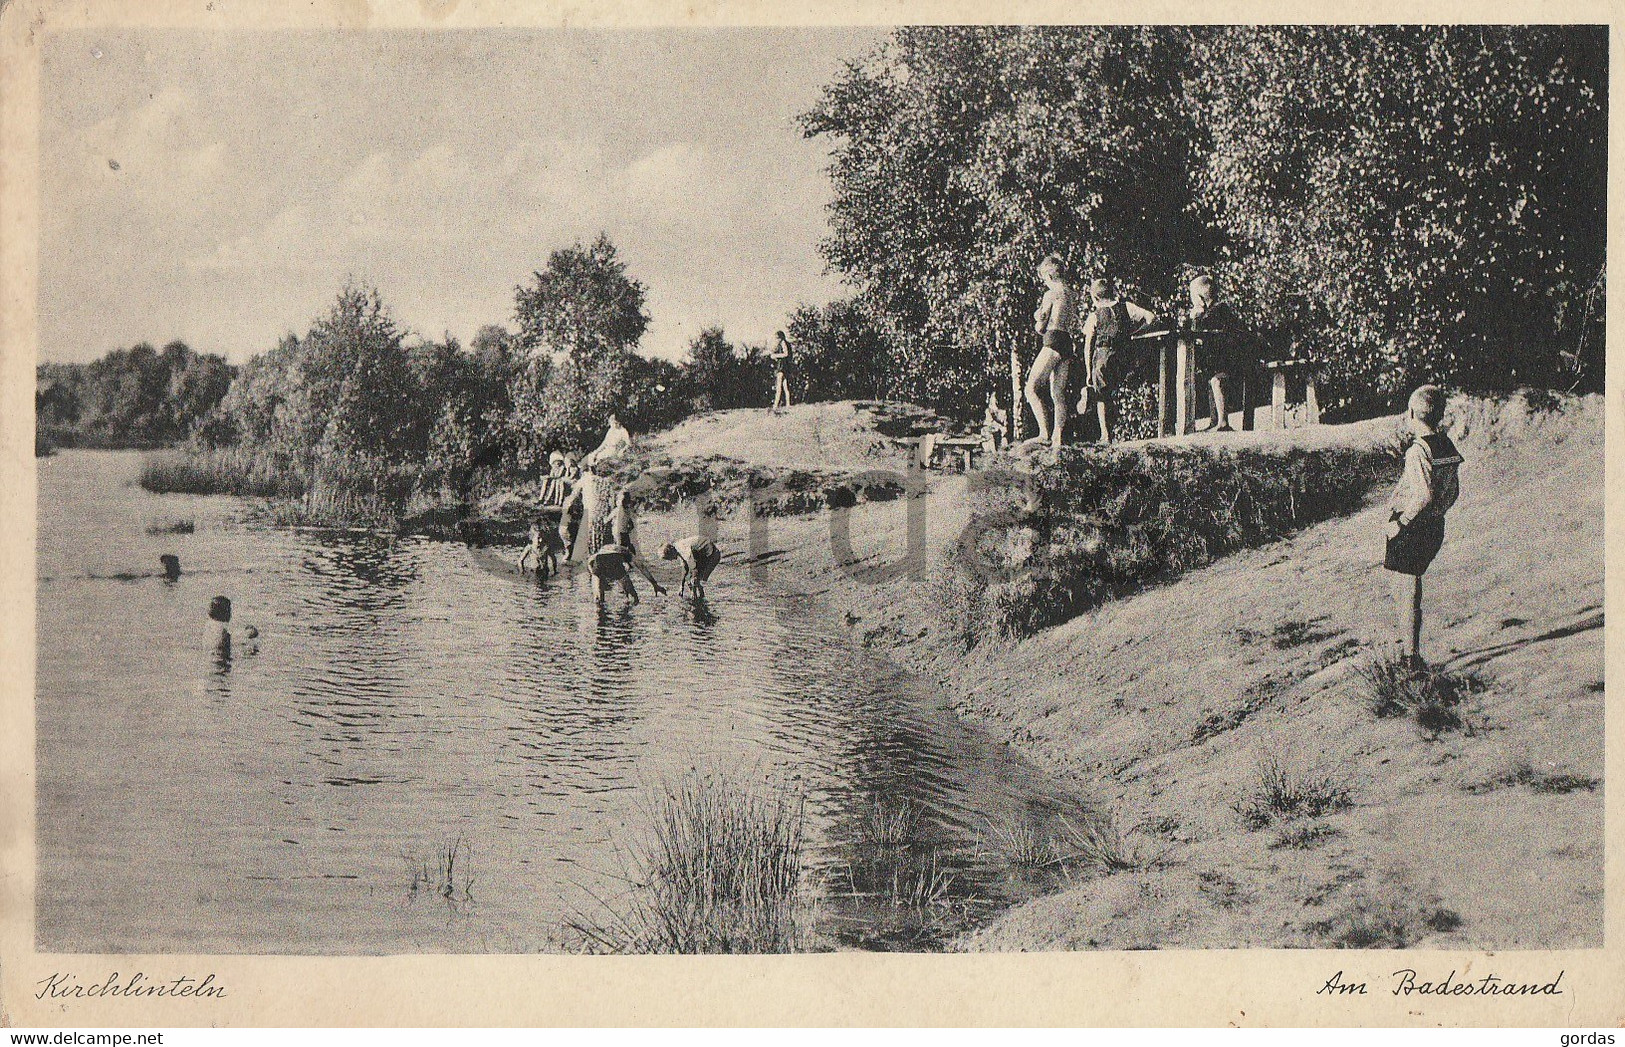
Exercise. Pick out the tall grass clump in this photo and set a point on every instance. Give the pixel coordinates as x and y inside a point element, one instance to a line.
<point>1281,793</point>
<point>222,470</point>
<point>1045,546</point>
<point>719,872</point>
<point>1428,694</point>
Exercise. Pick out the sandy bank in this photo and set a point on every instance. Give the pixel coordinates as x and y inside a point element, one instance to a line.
<point>1162,706</point>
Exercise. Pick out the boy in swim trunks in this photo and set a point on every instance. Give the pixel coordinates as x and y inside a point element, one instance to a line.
<point>1057,314</point>
<point>699,555</point>
<point>1111,322</point>
<point>1427,489</point>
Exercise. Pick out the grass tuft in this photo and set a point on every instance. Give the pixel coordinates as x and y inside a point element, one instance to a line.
<point>719,872</point>
<point>1430,695</point>
<point>186,526</point>
<point>1099,844</point>
<point>1281,794</point>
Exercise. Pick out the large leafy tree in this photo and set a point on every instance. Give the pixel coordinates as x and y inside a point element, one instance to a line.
<point>582,304</point>
<point>346,388</point>
<point>1438,191</point>
<point>962,156</point>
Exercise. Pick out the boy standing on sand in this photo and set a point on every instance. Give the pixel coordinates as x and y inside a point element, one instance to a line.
<point>1053,321</point>
<point>1427,489</point>
<point>780,356</point>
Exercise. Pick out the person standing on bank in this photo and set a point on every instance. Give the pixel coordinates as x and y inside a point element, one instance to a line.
<point>781,365</point>
<point>1222,348</point>
<point>1054,321</point>
<point>1111,322</point>
<point>1427,489</point>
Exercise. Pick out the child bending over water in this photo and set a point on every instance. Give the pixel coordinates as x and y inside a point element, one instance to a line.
<point>541,555</point>
<point>700,557</point>
<point>614,564</point>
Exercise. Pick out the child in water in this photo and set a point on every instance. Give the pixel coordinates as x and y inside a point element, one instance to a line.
<point>614,564</point>
<point>1426,491</point>
<point>541,555</point>
<point>218,635</point>
<point>699,555</point>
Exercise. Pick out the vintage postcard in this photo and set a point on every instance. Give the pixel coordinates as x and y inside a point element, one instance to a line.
<point>901,514</point>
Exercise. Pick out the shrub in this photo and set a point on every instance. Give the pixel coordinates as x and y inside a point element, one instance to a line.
<point>1427,693</point>
<point>1046,546</point>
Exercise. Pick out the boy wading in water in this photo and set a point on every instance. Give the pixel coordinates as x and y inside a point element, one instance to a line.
<point>614,564</point>
<point>700,557</point>
<point>1056,316</point>
<point>1426,491</point>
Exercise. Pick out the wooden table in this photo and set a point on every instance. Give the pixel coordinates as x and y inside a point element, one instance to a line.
<point>1280,371</point>
<point>927,447</point>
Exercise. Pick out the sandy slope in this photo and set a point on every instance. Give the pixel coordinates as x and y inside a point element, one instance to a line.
<point>1161,707</point>
<point>846,434</point>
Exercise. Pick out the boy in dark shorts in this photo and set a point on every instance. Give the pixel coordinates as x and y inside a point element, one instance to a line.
<point>1056,316</point>
<point>700,557</point>
<point>1427,489</point>
<point>613,564</point>
<point>1111,322</point>
<point>541,556</point>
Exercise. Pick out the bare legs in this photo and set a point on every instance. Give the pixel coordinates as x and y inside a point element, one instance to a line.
<point>1408,602</point>
<point>781,391</point>
<point>1221,409</point>
<point>1055,369</point>
<point>1057,397</point>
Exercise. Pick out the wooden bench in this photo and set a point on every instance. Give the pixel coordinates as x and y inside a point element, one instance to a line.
<point>931,446</point>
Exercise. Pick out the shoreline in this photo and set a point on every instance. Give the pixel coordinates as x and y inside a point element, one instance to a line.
<point>1165,706</point>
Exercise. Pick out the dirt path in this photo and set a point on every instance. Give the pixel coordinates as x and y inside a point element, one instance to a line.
<point>1164,706</point>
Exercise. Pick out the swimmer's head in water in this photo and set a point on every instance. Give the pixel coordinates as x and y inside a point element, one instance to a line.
<point>172,565</point>
<point>220,609</point>
<point>668,551</point>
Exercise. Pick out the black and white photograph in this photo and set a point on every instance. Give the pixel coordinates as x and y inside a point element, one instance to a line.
<point>924,488</point>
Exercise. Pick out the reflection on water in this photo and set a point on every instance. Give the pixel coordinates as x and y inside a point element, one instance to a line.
<point>418,754</point>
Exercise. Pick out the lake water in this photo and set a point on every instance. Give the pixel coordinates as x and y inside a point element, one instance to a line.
<point>404,701</point>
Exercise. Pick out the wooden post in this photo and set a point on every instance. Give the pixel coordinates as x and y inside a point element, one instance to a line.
<point>1278,399</point>
<point>1312,402</point>
<point>1185,385</point>
<point>1015,392</point>
<point>1162,387</point>
<point>1245,383</point>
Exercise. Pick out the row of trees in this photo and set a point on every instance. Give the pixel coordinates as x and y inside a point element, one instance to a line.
<point>357,390</point>
<point>134,396</point>
<point>1437,194</point>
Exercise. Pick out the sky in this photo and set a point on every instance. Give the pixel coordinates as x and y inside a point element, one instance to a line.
<point>219,188</point>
